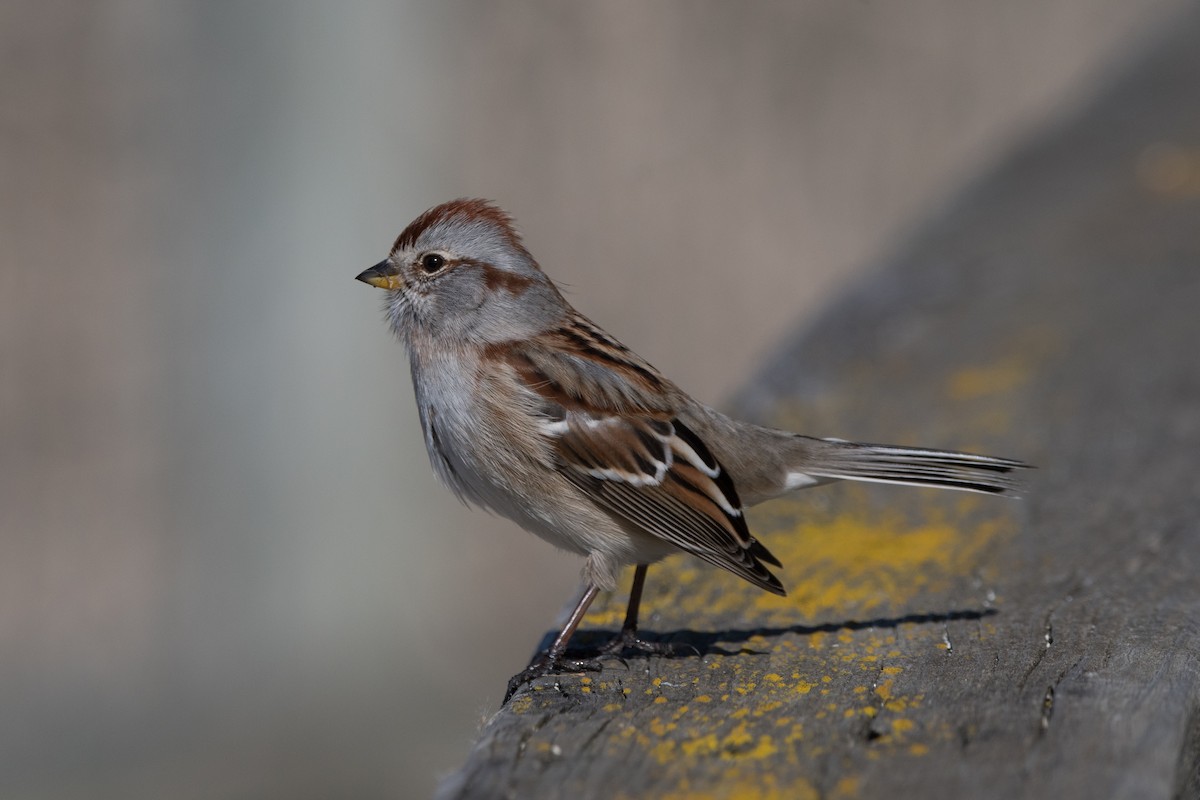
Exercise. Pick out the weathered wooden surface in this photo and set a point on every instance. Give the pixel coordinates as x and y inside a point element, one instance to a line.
<point>938,644</point>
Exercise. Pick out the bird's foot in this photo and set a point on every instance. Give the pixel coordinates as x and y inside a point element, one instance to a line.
<point>545,664</point>
<point>628,639</point>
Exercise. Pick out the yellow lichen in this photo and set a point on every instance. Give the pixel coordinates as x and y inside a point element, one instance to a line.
<point>702,746</point>
<point>846,787</point>
<point>999,378</point>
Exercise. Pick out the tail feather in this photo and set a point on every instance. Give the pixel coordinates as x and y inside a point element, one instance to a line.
<point>945,469</point>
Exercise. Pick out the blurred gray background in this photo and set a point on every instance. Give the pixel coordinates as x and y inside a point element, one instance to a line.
<point>225,568</point>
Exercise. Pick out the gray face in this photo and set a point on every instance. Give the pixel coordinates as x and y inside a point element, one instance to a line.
<point>460,273</point>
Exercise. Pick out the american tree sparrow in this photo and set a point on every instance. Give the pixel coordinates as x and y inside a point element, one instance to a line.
<point>533,411</point>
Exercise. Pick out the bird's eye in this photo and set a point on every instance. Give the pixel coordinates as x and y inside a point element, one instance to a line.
<point>432,262</point>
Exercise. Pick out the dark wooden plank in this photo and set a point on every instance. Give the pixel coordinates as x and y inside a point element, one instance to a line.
<point>937,644</point>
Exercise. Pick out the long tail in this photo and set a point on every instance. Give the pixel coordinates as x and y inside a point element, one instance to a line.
<point>912,466</point>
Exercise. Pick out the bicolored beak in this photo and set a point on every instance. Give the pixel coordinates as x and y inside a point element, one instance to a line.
<point>382,276</point>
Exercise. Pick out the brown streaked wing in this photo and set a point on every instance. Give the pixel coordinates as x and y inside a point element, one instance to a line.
<point>613,460</point>
<point>612,419</point>
<point>611,448</point>
<point>658,512</point>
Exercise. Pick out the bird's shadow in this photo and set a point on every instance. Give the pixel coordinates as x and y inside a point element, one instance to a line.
<point>690,643</point>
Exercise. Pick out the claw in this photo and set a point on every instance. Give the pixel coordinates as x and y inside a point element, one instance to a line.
<point>545,665</point>
<point>628,639</point>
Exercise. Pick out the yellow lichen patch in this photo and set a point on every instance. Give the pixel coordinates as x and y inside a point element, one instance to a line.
<point>804,687</point>
<point>660,728</point>
<point>663,751</point>
<point>739,785</point>
<point>864,561</point>
<point>918,749</point>
<point>741,743</point>
<point>1024,355</point>
<point>846,787</point>
<point>605,615</point>
<point>738,736</point>
<point>704,745</point>
<point>1000,377</point>
<point>766,708</point>
<point>763,748</point>
<point>901,704</point>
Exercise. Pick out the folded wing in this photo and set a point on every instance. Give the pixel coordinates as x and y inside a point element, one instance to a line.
<point>614,433</point>
<point>654,472</point>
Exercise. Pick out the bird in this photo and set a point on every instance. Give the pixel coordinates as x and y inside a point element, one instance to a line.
<point>534,412</point>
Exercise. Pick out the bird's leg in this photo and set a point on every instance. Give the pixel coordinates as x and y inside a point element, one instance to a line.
<point>628,637</point>
<point>552,660</point>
